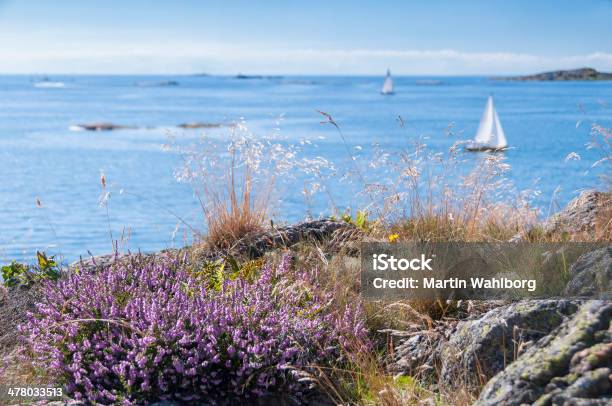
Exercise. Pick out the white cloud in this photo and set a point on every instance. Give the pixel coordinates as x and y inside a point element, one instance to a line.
<point>230,59</point>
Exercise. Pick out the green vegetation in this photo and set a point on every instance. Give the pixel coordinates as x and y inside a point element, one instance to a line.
<point>17,274</point>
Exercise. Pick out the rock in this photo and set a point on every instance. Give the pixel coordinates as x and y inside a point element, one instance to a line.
<point>337,233</point>
<point>591,274</point>
<point>309,231</point>
<point>198,124</point>
<point>164,83</point>
<point>242,76</point>
<point>592,357</point>
<point>13,308</point>
<point>588,214</point>
<point>471,351</point>
<point>99,127</point>
<point>419,354</point>
<point>485,346</point>
<point>569,366</point>
<point>95,263</point>
<point>587,217</point>
<point>561,75</point>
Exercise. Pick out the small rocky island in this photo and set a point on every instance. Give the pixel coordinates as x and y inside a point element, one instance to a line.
<point>564,75</point>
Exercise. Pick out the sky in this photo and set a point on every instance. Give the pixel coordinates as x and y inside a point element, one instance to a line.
<point>358,37</point>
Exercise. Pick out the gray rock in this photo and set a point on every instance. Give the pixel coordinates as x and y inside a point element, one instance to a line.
<point>479,349</point>
<point>591,274</point>
<point>198,124</point>
<point>419,353</point>
<point>471,351</point>
<point>571,365</point>
<point>15,303</point>
<point>310,231</point>
<point>585,218</point>
<point>335,233</point>
<point>95,263</point>
<point>101,127</point>
<point>582,214</point>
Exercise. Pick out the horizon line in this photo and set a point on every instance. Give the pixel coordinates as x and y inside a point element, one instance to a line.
<point>278,75</point>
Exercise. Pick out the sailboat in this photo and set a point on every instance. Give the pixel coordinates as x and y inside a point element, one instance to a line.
<point>388,85</point>
<point>490,135</point>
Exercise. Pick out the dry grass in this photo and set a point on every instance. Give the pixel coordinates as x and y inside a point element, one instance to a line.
<point>234,214</point>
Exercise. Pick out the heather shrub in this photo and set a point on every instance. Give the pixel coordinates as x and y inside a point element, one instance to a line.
<point>147,329</point>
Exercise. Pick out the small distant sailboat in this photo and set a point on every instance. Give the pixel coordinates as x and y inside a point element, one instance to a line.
<point>388,85</point>
<point>490,135</point>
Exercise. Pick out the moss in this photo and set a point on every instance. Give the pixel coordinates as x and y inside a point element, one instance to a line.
<point>571,378</point>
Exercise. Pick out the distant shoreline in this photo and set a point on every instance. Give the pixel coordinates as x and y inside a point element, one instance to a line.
<point>582,74</point>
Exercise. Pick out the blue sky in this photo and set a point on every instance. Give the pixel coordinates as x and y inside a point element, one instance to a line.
<point>304,37</point>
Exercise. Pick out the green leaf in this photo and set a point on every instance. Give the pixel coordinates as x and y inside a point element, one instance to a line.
<point>235,267</point>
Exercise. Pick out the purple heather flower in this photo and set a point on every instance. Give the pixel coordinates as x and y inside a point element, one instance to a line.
<point>161,334</point>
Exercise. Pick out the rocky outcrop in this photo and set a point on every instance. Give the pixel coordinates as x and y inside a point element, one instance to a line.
<point>99,127</point>
<point>198,124</point>
<point>587,217</point>
<point>473,351</point>
<point>571,365</point>
<point>589,214</point>
<point>163,83</point>
<point>308,231</point>
<point>563,75</point>
<point>481,348</point>
<point>418,353</point>
<point>591,274</point>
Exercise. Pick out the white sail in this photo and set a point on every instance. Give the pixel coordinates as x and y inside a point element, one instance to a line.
<point>499,138</point>
<point>490,132</point>
<point>388,85</point>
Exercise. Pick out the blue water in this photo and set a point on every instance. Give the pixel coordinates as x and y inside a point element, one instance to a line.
<point>41,158</point>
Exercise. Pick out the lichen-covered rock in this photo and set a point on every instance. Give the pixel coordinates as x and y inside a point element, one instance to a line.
<point>480,348</point>
<point>570,366</point>
<point>591,274</point>
<point>471,351</point>
<point>588,215</point>
<point>336,233</point>
<point>418,354</point>
<point>310,231</point>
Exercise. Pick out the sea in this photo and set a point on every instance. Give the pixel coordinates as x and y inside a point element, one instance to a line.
<point>52,200</point>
